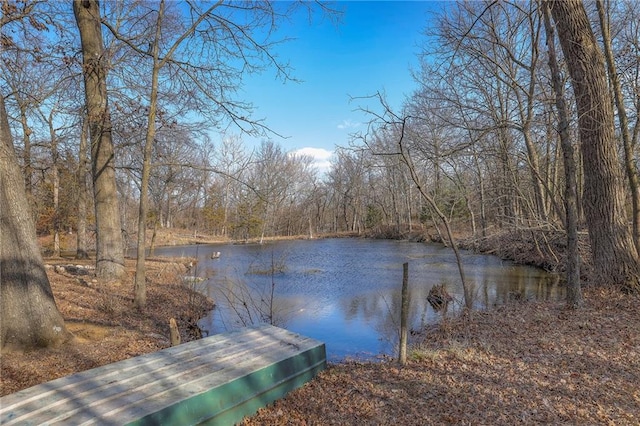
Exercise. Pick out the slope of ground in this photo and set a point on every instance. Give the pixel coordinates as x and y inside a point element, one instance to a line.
<point>106,326</point>
<point>532,363</point>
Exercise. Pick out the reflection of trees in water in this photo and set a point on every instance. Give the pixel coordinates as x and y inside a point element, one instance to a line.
<point>517,286</point>
<point>253,301</point>
<point>549,287</point>
<point>240,303</point>
<point>382,309</point>
<point>312,292</point>
<point>366,306</point>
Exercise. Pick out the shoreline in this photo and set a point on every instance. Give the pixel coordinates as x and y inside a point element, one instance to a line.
<point>532,358</point>
<point>531,363</point>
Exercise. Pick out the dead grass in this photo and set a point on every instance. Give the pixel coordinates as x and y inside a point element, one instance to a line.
<point>106,326</point>
<point>532,363</point>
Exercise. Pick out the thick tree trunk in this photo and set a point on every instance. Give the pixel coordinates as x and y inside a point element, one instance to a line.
<point>615,257</point>
<point>29,316</point>
<point>26,152</point>
<point>629,161</point>
<point>109,245</point>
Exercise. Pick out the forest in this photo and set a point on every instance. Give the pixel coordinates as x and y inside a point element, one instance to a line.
<point>119,118</point>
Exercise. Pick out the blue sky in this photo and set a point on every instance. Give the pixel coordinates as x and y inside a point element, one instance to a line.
<point>373,48</point>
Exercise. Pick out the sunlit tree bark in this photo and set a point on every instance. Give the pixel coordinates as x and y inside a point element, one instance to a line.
<point>615,257</point>
<point>28,313</point>
<point>574,288</point>
<point>629,163</point>
<point>109,243</point>
<point>81,177</point>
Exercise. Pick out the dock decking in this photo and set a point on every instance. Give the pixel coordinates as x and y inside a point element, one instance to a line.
<point>215,380</point>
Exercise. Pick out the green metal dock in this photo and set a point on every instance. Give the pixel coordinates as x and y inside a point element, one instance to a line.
<point>216,380</point>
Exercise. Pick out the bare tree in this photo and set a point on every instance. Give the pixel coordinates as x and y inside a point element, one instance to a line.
<point>271,180</point>
<point>615,257</point>
<point>109,244</point>
<point>487,75</point>
<point>205,48</point>
<point>81,178</point>
<point>28,313</point>
<point>629,163</point>
<point>14,74</point>
<point>232,160</point>
<point>346,178</point>
<point>574,289</point>
<point>388,119</point>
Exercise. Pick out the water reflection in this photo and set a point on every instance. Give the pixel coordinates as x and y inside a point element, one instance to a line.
<point>346,292</point>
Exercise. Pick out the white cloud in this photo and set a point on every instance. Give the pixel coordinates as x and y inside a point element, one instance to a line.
<point>321,157</point>
<point>348,124</point>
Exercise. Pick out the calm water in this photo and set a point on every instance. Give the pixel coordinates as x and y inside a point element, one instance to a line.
<point>346,292</point>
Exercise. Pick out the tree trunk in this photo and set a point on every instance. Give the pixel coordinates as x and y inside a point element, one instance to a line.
<point>81,177</point>
<point>615,257</point>
<point>574,288</point>
<point>109,245</point>
<point>140,286</point>
<point>629,163</point>
<point>152,245</point>
<point>404,314</point>
<point>527,111</point>
<point>29,316</point>
<point>26,153</point>
<point>55,178</point>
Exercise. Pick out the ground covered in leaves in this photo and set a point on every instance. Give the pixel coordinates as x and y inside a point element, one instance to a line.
<point>529,363</point>
<point>106,326</point>
<point>523,363</point>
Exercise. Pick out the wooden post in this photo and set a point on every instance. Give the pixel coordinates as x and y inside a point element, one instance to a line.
<point>174,334</point>
<point>404,313</point>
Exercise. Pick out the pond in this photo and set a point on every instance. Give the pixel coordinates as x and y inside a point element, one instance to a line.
<point>345,291</point>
